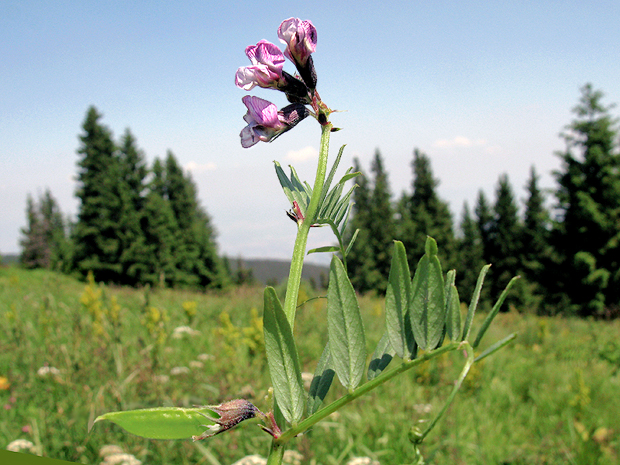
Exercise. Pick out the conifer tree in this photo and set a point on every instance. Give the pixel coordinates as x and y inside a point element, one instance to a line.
<point>484,221</point>
<point>587,233</point>
<point>160,228</point>
<point>133,255</point>
<point>381,227</point>
<point>536,253</point>
<point>44,243</point>
<point>192,249</point>
<point>97,233</point>
<point>425,214</point>
<point>470,253</point>
<point>506,233</point>
<point>361,260</point>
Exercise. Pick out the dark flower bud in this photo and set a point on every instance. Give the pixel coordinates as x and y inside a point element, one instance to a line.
<point>230,415</point>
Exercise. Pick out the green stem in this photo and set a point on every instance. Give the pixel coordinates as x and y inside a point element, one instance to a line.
<point>299,250</point>
<point>276,454</point>
<point>468,363</point>
<point>363,389</point>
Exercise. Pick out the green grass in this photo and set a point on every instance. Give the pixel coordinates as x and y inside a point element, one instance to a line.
<point>552,397</point>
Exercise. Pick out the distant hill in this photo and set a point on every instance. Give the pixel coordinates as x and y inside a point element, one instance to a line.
<point>264,270</point>
<point>8,259</point>
<point>276,271</point>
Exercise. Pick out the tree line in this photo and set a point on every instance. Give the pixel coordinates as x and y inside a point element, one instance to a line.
<point>135,225</point>
<point>144,225</point>
<point>568,255</point>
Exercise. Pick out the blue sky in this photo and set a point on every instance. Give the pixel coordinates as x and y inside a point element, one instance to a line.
<point>483,88</point>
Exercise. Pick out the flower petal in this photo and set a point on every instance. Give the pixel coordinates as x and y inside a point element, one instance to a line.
<point>300,38</point>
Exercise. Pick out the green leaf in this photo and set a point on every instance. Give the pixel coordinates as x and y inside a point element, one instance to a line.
<point>332,173</point>
<point>163,422</point>
<point>282,359</point>
<point>322,381</point>
<point>352,241</point>
<point>327,248</point>
<point>381,357</point>
<point>453,309</point>
<point>397,301</point>
<point>345,328</point>
<point>427,309</point>
<point>293,188</point>
<point>495,347</point>
<point>474,302</point>
<point>285,182</point>
<point>487,321</point>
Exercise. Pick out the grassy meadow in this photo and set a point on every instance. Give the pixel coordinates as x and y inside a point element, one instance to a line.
<point>71,350</point>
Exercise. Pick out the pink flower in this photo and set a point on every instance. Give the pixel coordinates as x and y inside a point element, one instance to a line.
<point>300,39</point>
<point>266,70</point>
<point>265,122</point>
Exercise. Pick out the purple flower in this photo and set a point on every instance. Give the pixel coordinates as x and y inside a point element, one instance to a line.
<point>300,39</point>
<point>265,122</point>
<point>266,70</point>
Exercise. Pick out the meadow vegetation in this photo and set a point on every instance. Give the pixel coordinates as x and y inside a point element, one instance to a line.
<point>71,350</point>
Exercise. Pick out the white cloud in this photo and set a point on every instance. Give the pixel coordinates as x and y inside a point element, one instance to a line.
<point>305,154</point>
<point>196,168</point>
<point>459,141</point>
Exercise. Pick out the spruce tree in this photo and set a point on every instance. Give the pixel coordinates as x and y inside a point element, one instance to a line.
<point>484,221</point>
<point>381,227</point>
<point>133,255</point>
<point>160,228</point>
<point>587,233</point>
<point>470,254</point>
<point>97,235</point>
<point>44,243</point>
<point>505,244</point>
<point>536,252</point>
<point>425,214</point>
<point>361,262</point>
<point>196,262</point>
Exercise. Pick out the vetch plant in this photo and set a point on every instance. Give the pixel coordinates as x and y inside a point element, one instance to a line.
<point>422,312</point>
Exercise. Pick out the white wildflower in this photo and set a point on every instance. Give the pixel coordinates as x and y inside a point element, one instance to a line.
<point>205,357</point>
<point>179,331</point>
<point>307,379</point>
<point>46,370</point>
<point>423,408</point>
<point>251,460</point>
<point>362,461</point>
<point>196,364</point>
<point>110,449</point>
<point>121,459</point>
<point>162,379</point>
<point>21,444</point>
<point>292,457</point>
<point>179,371</point>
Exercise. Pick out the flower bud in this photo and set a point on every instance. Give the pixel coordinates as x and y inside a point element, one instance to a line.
<point>230,415</point>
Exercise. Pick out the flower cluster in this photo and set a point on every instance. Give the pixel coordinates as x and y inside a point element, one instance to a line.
<point>265,121</point>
